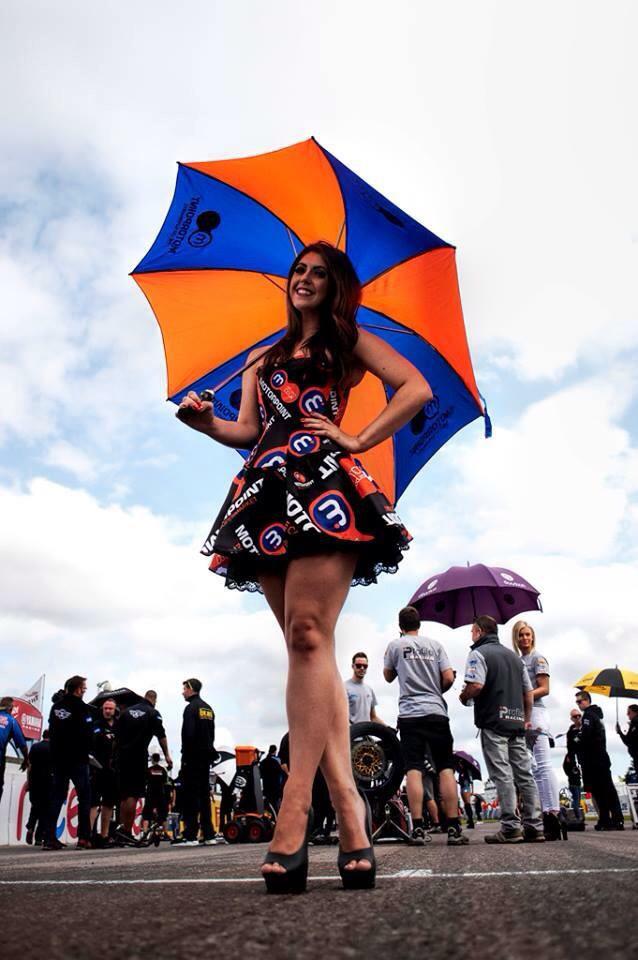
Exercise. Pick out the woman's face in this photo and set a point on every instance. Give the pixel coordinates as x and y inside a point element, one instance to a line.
<point>309,282</point>
<point>525,640</point>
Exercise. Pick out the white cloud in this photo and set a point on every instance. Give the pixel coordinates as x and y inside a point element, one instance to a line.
<point>71,459</point>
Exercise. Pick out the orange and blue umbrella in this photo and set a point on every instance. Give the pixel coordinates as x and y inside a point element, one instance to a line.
<point>216,280</point>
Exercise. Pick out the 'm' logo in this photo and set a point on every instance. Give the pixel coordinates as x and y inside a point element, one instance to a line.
<point>302,444</point>
<point>207,221</point>
<point>272,539</point>
<point>271,459</point>
<point>332,512</point>
<point>278,379</point>
<point>312,401</point>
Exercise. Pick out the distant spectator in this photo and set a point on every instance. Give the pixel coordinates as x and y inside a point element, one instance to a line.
<point>40,786</point>
<point>71,736</point>
<point>571,767</point>
<point>157,795</point>
<point>272,777</point>
<point>497,683</point>
<point>591,745</point>
<point>362,701</point>
<point>630,739</point>
<point>104,778</point>
<point>10,730</point>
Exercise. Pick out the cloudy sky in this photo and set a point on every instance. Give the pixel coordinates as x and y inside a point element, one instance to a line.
<point>508,131</point>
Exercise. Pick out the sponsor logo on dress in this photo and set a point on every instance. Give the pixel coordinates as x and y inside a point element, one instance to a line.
<point>271,459</point>
<point>392,519</point>
<point>274,399</point>
<point>272,540</point>
<point>246,495</point>
<point>298,515</point>
<point>278,379</point>
<point>245,539</point>
<point>312,401</point>
<point>332,512</point>
<point>302,443</point>
<point>328,466</point>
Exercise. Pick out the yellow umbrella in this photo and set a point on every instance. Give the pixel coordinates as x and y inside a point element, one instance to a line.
<point>610,682</point>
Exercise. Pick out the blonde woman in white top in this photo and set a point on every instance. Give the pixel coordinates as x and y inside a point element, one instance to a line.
<point>524,643</point>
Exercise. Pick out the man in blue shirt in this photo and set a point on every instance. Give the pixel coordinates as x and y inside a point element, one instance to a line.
<point>10,729</point>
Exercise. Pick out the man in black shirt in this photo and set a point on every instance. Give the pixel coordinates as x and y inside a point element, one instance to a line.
<point>272,777</point>
<point>104,779</point>
<point>596,765</point>
<point>156,796</point>
<point>70,734</point>
<point>198,752</point>
<point>135,729</point>
<point>40,783</point>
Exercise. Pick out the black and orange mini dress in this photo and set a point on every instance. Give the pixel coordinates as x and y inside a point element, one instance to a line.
<point>299,494</point>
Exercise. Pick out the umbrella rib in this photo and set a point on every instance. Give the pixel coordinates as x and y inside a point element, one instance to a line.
<point>412,256</point>
<point>405,329</point>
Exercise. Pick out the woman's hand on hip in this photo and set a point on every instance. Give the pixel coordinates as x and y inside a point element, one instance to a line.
<point>196,413</point>
<point>324,427</point>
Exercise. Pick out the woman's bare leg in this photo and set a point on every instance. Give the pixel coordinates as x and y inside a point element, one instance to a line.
<point>336,766</point>
<point>314,592</point>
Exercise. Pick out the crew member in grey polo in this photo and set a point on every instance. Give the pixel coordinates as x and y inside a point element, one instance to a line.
<point>362,701</point>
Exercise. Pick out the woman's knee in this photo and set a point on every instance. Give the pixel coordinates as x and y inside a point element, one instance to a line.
<point>304,634</point>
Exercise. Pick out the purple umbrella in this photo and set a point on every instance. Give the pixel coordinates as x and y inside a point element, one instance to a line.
<point>460,756</point>
<point>460,594</point>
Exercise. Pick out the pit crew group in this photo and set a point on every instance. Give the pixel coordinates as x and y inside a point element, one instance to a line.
<point>507,689</point>
<point>104,753</point>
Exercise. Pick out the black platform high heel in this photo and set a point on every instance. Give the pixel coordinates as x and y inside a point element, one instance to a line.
<point>359,879</point>
<point>296,866</point>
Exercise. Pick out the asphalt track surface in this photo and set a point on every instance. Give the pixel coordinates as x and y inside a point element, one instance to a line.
<point>545,901</point>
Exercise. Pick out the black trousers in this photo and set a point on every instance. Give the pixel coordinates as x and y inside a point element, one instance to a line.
<point>39,813</point>
<point>78,774</point>
<point>605,796</point>
<point>196,799</point>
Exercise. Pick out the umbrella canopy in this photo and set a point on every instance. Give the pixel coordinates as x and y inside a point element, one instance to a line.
<point>460,594</point>
<point>122,696</point>
<point>610,682</point>
<point>216,280</point>
<point>461,757</point>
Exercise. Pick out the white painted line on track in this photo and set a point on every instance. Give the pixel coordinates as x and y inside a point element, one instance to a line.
<point>399,875</point>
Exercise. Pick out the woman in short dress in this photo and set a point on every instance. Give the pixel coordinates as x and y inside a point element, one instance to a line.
<point>303,521</point>
<point>524,643</point>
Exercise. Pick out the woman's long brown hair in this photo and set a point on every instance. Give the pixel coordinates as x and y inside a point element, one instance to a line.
<point>331,347</point>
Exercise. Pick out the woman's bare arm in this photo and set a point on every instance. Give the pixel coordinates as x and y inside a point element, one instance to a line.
<point>241,433</point>
<point>412,391</point>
